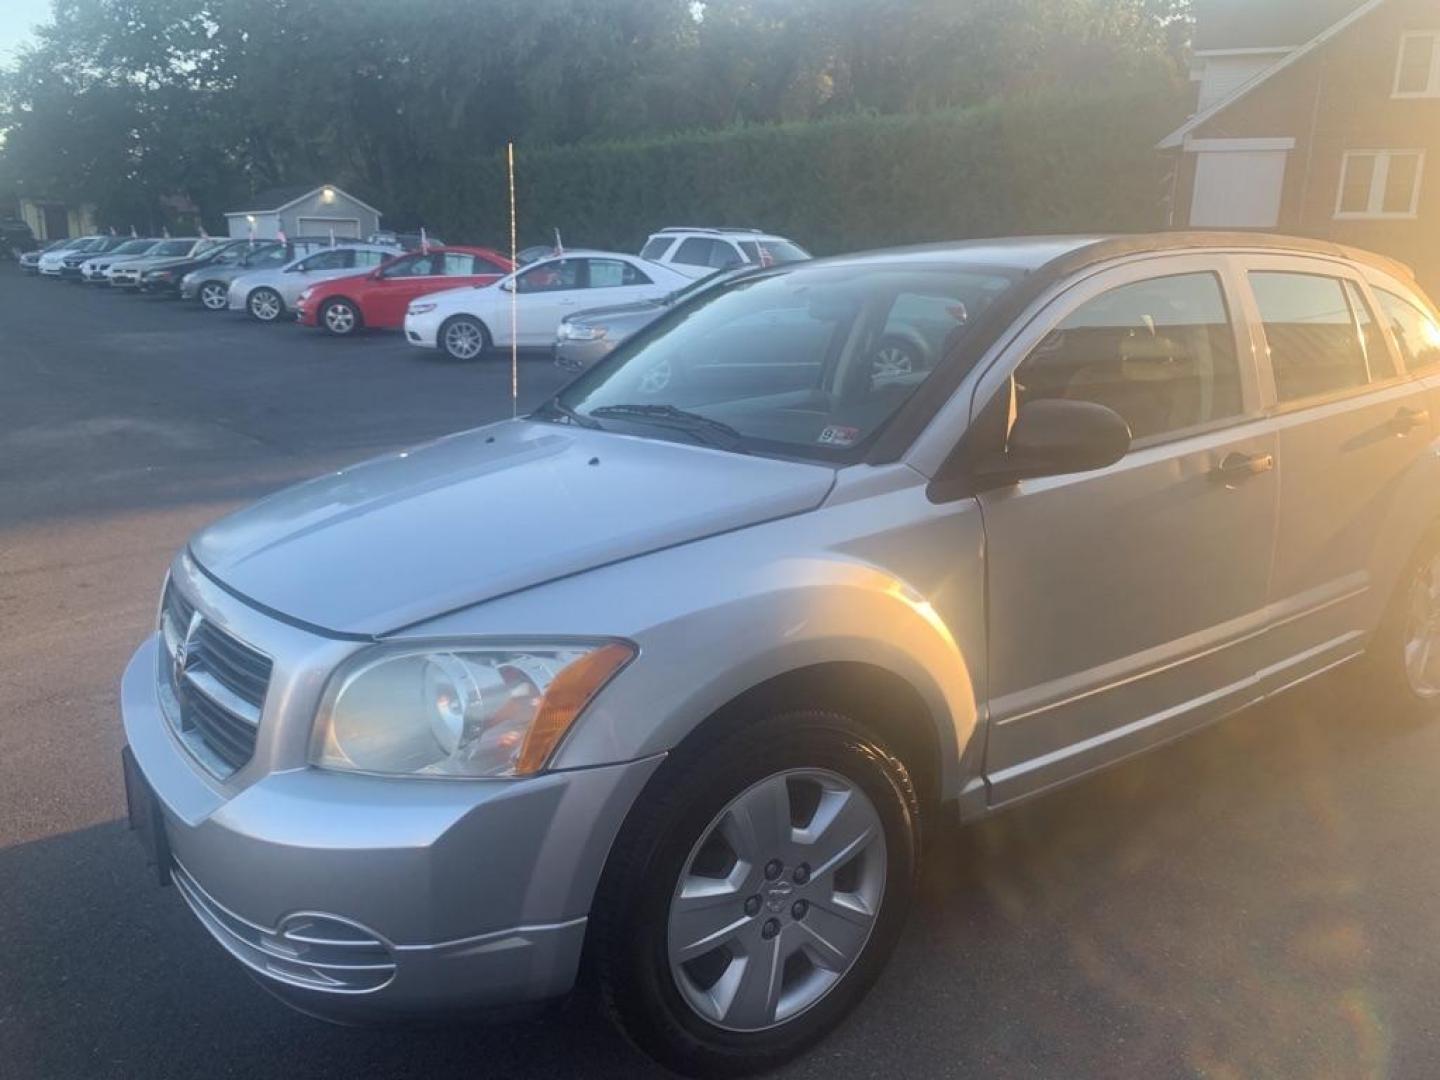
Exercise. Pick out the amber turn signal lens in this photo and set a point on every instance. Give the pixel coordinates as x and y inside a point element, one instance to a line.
<point>565,699</point>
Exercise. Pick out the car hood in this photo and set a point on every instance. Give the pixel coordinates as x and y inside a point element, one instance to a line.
<point>639,310</point>
<point>146,262</point>
<point>473,516</point>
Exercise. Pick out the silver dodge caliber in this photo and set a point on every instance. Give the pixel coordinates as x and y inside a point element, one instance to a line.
<point>672,672</point>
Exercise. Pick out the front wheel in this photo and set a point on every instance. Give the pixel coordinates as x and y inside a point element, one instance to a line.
<point>214,296</point>
<point>340,317</point>
<point>756,892</point>
<point>265,305</point>
<point>464,338</point>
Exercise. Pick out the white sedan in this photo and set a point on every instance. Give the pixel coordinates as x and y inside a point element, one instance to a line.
<point>463,323</point>
<point>268,294</point>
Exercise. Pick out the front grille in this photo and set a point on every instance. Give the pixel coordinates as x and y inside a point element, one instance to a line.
<point>217,687</point>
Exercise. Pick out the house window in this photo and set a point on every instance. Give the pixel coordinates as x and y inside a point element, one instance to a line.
<point>1380,184</point>
<point>1418,72</point>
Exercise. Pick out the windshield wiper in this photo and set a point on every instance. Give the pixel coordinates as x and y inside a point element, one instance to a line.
<point>681,419</point>
<point>557,409</point>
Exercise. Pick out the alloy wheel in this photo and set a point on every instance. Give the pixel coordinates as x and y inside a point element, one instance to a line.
<point>463,340</point>
<point>213,295</point>
<point>339,318</point>
<point>265,305</point>
<point>777,899</point>
<point>1422,630</point>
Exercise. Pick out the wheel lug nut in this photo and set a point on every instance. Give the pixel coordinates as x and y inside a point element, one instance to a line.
<point>752,906</point>
<point>802,874</point>
<point>799,908</point>
<point>770,929</point>
<point>773,869</point>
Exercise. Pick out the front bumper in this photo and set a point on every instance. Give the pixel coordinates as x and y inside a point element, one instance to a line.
<point>124,279</point>
<point>458,895</point>
<point>424,330</point>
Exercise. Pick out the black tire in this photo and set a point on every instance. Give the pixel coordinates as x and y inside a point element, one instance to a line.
<point>471,338</point>
<point>340,318</point>
<point>264,305</point>
<point>1385,667</point>
<point>213,295</point>
<point>630,919</point>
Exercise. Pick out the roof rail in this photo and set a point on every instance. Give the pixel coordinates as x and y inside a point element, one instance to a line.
<point>711,229</point>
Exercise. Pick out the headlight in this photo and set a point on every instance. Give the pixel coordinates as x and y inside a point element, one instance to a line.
<point>160,275</point>
<point>420,309</point>
<point>459,712</point>
<point>307,293</point>
<point>581,332</point>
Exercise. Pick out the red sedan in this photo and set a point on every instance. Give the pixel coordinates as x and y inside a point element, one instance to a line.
<point>378,299</point>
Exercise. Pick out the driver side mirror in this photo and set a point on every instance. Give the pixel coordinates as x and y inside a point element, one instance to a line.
<point>1056,437</point>
<point>507,286</point>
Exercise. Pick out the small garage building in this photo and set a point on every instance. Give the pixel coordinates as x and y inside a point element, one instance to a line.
<point>304,211</point>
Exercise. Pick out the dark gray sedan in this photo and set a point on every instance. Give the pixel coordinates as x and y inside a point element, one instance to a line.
<point>588,336</point>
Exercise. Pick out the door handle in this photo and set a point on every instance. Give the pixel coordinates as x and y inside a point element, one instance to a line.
<point>1407,420</point>
<point>1236,466</point>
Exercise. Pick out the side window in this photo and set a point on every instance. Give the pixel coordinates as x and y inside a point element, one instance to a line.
<point>365,259</point>
<point>1314,342</point>
<point>1161,353</point>
<point>614,273</point>
<point>1377,352</point>
<point>550,276</point>
<point>458,264</point>
<point>1417,334</point>
<point>695,251</point>
<point>326,260</point>
<point>656,247</point>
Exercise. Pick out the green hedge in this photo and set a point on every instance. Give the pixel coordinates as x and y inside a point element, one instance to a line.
<point>1026,166</point>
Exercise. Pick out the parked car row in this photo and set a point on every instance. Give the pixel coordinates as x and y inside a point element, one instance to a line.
<point>457,299</point>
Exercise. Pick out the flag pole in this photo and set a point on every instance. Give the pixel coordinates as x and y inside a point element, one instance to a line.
<point>514,314</point>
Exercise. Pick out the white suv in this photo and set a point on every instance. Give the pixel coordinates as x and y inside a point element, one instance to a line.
<point>698,252</point>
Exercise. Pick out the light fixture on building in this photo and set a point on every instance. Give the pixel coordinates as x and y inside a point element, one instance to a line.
<point>327,195</point>
<point>250,218</point>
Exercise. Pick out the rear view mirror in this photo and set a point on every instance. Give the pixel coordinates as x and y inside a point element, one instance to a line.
<point>1057,437</point>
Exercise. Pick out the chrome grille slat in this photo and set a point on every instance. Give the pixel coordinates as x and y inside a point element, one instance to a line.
<point>240,668</point>
<point>218,690</point>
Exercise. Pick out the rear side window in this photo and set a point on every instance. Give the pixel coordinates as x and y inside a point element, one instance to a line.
<point>695,251</point>
<point>1417,334</point>
<point>1161,353</point>
<point>458,264</point>
<point>366,258</point>
<point>1314,343</point>
<point>614,273</point>
<point>656,247</point>
<point>326,260</point>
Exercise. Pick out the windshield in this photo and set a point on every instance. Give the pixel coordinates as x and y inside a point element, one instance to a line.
<point>174,247</point>
<point>809,361</point>
<point>134,247</point>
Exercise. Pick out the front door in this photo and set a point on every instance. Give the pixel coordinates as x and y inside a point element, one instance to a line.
<point>1354,429</point>
<point>1119,599</point>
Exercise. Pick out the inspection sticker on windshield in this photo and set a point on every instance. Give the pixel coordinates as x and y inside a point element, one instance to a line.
<point>835,435</point>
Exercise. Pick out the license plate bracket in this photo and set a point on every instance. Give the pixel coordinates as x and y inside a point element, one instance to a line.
<point>145,817</point>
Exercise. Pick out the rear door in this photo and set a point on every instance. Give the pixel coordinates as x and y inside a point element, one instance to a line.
<point>1121,600</point>
<point>389,293</point>
<point>1354,430</point>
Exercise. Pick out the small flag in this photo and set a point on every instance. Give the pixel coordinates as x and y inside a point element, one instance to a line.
<point>133,234</point>
<point>332,237</point>
<point>165,232</point>
<point>559,247</point>
<point>112,230</point>
<point>203,234</point>
<point>252,232</point>
<point>424,242</point>
<point>280,235</point>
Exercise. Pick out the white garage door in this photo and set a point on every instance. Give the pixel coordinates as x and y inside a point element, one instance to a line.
<point>1238,188</point>
<point>345,228</point>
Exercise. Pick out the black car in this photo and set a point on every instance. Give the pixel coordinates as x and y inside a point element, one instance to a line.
<point>164,278</point>
<point>15,238</point>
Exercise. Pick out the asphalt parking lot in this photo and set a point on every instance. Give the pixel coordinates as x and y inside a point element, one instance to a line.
<point>1262,900</point>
